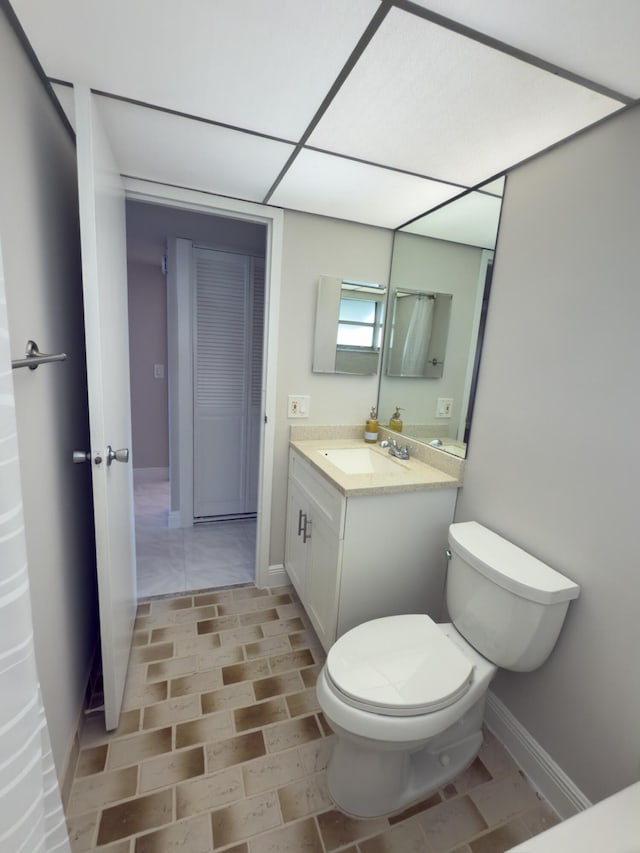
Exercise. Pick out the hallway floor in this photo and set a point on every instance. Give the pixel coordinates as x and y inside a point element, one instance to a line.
<point>207,555</point>
<point>222,747</point>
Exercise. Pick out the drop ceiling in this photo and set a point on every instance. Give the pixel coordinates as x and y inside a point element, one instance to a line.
<point>367,110</point>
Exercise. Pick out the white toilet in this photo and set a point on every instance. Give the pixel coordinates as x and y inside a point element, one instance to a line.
<point>405,696</point>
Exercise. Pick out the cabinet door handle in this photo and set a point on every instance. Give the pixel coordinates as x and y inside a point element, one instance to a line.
<point>306,533</point>
<point>301,524</point>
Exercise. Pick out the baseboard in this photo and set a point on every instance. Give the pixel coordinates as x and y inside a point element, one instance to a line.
<point>276,576</point>
<point>73,747</point>
<point>150,475</point>
<point>547,777</point>
<point>70,763</point>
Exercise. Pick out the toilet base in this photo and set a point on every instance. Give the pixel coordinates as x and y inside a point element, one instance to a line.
<point>374,781</point>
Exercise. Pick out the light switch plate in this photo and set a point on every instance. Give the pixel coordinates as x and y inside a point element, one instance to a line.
<point>298,406</point>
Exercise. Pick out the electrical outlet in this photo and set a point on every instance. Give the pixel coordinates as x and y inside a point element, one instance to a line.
<point>444,407</point>
<point>298,406</point>
<point>158,371</point>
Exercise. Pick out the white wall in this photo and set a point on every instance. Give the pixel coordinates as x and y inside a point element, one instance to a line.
<point>147,291</point>
<point>40,239</point>
<point>552,462</point>
<point>315,246</point>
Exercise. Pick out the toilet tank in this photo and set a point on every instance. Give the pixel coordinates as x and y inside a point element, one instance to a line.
<point>507,604</point>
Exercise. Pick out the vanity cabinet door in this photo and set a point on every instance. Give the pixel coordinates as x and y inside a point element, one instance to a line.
<point>323,579</point>
<point>361,557</point>
<point>296,551</point>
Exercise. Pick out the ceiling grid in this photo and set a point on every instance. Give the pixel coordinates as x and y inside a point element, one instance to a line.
<point>374,111</point>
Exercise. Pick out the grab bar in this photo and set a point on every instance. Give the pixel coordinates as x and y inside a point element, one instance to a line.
<point>34,358</point>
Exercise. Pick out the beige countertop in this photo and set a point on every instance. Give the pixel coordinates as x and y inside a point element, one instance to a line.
<point>408,475</point>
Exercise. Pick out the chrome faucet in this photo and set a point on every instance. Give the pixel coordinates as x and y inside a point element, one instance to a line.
<point>394,449</point>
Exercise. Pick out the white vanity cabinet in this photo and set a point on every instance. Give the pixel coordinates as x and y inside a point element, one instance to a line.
<point>315,525</point>
<point>357,557</point>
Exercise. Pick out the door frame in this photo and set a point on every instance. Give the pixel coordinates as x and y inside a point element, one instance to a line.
<point>273,218</point>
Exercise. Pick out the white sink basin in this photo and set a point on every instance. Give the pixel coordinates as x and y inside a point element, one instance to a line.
<point>361,460</point>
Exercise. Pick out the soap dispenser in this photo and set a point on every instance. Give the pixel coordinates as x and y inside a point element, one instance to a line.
<point>371,427</point>
<point>395,423</point>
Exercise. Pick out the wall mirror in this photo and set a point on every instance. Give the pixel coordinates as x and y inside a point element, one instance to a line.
<point>349,326</point>
<point>417,339</point>
<point>446,252</point>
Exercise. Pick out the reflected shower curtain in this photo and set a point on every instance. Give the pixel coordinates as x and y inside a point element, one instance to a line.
<point>31,815</point>
<point>416,344</point>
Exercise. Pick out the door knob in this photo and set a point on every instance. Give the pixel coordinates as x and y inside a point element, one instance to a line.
<point>85,456</point>
<point>121,455</point>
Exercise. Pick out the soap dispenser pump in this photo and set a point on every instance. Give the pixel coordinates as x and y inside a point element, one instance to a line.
<point>395,422</point>
<point>371,427</point>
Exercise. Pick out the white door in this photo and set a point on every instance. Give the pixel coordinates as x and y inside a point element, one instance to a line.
<point>104,274</point>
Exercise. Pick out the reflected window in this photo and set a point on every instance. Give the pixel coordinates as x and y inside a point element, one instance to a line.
<point>349,326</point>
<point>359,323</point>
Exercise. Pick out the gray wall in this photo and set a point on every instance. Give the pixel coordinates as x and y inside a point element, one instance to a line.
<point>315,246</point>
<point>552,462</point>
<point>148,346</point>
<point>150,225</point>
<point>40,240</point>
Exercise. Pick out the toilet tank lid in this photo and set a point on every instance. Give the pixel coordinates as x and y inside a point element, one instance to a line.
<point>509,566</point>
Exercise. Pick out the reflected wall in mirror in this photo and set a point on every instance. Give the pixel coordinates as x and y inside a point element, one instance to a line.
<point>418,334</point>
<point>349,325</point>
<point>449,250</point>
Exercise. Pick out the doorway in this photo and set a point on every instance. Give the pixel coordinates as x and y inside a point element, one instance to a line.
<point>224,550</point>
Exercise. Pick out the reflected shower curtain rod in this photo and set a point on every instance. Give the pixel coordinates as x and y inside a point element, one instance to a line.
<point>420,294</point>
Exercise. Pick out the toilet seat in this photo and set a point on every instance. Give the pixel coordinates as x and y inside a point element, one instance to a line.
<point>398,666</point>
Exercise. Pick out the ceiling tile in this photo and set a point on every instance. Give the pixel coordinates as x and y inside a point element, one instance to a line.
<point>158,146</point>
<point>261,65</point>
<point>332,186</point>
<point>596,40</point>
<point>472,220</point>
<point>430,101</point>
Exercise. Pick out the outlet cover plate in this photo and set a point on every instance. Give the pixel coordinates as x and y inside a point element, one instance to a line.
<point>298,406</point>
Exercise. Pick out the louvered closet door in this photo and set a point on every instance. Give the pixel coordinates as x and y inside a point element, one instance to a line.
<point>255,383</point>
<point>222,372</point>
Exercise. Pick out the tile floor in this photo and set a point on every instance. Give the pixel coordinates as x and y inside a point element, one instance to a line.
<point>206,555</point>
<point>222,747</point>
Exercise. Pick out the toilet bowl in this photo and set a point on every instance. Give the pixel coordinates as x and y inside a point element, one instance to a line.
<point>387,749</point>
<point>405,696</point>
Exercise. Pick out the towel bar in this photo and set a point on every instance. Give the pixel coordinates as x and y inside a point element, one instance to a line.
<point>33,357</point>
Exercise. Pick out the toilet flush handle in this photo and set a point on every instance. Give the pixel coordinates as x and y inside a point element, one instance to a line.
<point>448,553</point>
